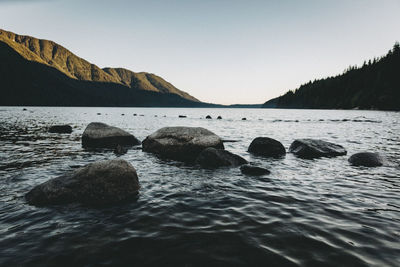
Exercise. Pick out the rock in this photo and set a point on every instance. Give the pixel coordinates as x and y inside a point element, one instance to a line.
<point>314,148</point>
<point>182,116</point>
<point>267,147</point>
<point>24,109</point>
<point>120,150</point>
<point>122,114</point>
<point>367,159</point>
<point>208,117</point>
<point>243,119</point>
<point>134,114</point>
<point>101,135</point>
<point>212,158</point>
<point>181,143</point>
<point>253,170</point>
<point>219,118</point>
<point>60,129</point>
<point>98,183</point>
<point>99,113</point>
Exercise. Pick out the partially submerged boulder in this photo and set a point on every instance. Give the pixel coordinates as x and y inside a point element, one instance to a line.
<point>267,147</point>
<point>101,135</point>
<point>254,170</point>
<point>212,158</point>
<point>98,183</point>
<point>314,148</point>
<point>367,159</point>
<point>181,143</point>
<point>60,129</point>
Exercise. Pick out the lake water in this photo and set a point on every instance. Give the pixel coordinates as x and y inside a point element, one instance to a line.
<point>320,212</point>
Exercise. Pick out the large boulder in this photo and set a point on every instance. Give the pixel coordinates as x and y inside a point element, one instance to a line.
<point>254,170</point>
<point>97,183</point>
<point>212,158</point>
<point>314,148</point>
<point>267,147</point>
<point>60,129</point>
<point>367,159</point>
<point>101,135</point>
<point>181,143</point>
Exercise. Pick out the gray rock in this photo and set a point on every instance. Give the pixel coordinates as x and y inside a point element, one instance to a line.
<point>98,183</point>
<point>314,148</point>
<point>253,170</point>
<point>181,143</point>
<point>60,129</point>
<point>367,159</point>
<point>212,158</point>
<point>101,135</point>
<point>267,147</point>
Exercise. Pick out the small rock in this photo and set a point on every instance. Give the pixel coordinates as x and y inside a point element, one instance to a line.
<point>122,114</point>
<point>181,143</point>
<point>243,119</point>
<point>208,117</point>
<point>24,109</point>
<point>134,114</point>
<point>60,129</point>
<point>99,113</point>
<point>120,150</point>
<point>212,158</point>
<point>98,183</point>
<point>367,159</point>
<point>267,147</point>
<point>101,135</point>
<point>182,116</point>
<point>219,118</point>
<point>314,148</point>
<point>253,170</point>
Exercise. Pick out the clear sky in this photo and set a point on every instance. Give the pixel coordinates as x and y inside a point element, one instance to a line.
<point>218,51</point>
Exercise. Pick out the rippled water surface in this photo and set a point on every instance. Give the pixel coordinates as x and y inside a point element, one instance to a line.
<point>320,212</point>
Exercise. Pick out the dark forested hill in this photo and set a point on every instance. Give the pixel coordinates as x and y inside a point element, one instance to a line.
<point>40,72</point>
<point>375,85</point>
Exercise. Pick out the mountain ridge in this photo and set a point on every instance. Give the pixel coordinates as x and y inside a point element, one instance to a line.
<point>54,55</point>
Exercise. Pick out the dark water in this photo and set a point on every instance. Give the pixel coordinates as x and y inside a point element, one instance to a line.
<point>320,212</point>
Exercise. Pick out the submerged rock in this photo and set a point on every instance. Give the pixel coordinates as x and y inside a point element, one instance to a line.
<point>98,183</point>
<point>208,117</point>
<point>314,148</point>
<point>213,158</point>
<point>253,170</point>
<point>181,143</point>
<point>267,147</point>
<point>219,118</point>
<point>60,129</point>
<point>182,116</point>
<point>367,159</point>
<point>243,119</point>
<point>101,135</point>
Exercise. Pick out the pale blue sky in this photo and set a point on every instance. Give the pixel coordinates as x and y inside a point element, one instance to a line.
<point>219,51</point>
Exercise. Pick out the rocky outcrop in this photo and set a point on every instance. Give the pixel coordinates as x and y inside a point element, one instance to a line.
<point>212,158</point>
<point>367,159</point>
<point>60,129</point>
<point>267,147</point>
<point>101,135</point>
<point>253,170</point>
<point>98,183</point>
<point>181,143</point>
<point>314,148</point>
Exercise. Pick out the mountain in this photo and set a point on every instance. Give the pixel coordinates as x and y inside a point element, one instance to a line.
<point>42,72</point>
<point>375,85</point>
